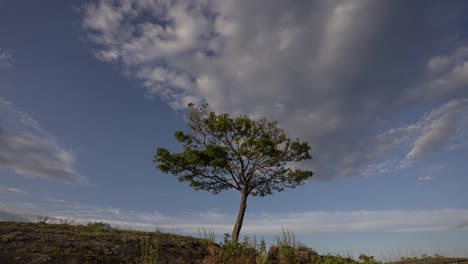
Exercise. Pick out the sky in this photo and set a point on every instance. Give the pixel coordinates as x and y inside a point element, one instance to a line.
<point>379,89</point>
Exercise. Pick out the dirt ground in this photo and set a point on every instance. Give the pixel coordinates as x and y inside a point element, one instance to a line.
<point>47,243</point>
<point>434,261</point>
<point>41,243</point>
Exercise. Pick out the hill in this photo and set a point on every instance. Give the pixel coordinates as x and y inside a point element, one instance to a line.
<point>40,243</point>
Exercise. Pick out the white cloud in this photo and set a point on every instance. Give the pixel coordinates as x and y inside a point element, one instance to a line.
<point>446,74</point>
<point>26,148</point>
<point>6,59</point>
<point>439,126</point>
<point>425,178</point>
<point>336,68</point>
<point>12,190</point>
<point>454,80</point>
<point>308,222</point>
<point>438,64</point>
<point>443,128</point>
<point>420,229</point>
<point>104,16</point>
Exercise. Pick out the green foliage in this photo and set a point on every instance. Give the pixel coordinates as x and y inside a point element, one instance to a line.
<point>364,259</point>
<point>221,152</point>
<point>66,221</point>
<point>262,254</point>
<point>207,235</point>
<point>42,222</point>
<point>286,246</point>
<point>337,259</point>
<point>424,256</point>
<point>157,231</point>
<point>7,238</point>
<point>98,227</point>
<point>332,259</point>
<point>149,251</point>
<point>245,252</point>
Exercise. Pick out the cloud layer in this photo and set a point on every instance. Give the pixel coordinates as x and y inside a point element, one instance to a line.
<point>256,222</point>
<point>331,72</point>
<point>28,149</point>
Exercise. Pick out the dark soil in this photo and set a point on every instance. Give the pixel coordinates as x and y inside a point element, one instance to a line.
<point>52,243</point>
<point>434,261</point>
<point>40,243</point>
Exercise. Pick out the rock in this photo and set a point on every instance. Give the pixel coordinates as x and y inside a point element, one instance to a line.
<point>273,255</point>
<point>302,255</point>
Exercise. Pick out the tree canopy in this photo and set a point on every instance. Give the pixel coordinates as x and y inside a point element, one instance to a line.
<point>221,152</point>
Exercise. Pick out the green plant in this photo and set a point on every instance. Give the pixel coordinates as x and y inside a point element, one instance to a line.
<point>286,246</point>
<point>157,230</point>
<point>98,227</point>
<point>222,152</point>
<point>44,220</point>
<point>262,256</point>
<point>66,221</point>
<point>234,252</point>
<point>423,256</point>
<point>149,251</point>
<point>207,235</point>
<point>331,259</point>
<point>42,230</point>
<point>368,259</point>
<point>8,238</point>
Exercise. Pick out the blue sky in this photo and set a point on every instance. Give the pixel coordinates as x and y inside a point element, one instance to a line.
<point>89,90</point>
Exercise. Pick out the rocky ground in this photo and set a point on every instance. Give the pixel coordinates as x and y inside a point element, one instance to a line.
<point>51,243</point>
<point>40,243</point>
<point>434,261</point>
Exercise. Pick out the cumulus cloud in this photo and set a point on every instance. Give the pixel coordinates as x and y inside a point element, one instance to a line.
<point>308,222</point>
<point>26,148</point>
<point>330,72</point>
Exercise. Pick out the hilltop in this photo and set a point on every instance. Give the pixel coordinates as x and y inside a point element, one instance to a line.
<point>40,243</point>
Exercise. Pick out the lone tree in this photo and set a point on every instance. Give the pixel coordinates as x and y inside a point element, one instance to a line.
<point>223,153</point>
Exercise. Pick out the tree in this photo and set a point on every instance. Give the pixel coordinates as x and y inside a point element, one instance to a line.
<point>221,153</point>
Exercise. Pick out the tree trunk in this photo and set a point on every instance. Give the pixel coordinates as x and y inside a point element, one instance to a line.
<point>240,217</point>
